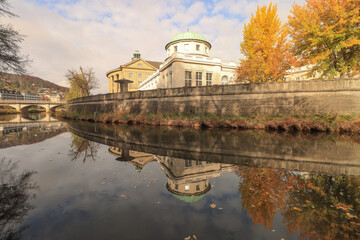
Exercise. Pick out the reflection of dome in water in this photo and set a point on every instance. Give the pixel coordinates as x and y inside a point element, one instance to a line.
<point>189,199</point>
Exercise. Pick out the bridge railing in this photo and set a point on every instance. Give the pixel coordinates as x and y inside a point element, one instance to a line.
<point>31,101</point>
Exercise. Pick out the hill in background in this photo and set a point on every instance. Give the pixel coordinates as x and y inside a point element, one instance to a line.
<point>28,83</point>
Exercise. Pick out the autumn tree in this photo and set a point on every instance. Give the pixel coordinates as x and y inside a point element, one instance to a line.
<point>326,34</point>
<point>266,47</point>
<point>81,82</point>
<point>10,58</point>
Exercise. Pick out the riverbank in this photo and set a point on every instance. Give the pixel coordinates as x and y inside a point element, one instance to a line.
<point>349,124</point>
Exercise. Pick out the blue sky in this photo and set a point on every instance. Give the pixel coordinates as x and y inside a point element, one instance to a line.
<point>66,34</point>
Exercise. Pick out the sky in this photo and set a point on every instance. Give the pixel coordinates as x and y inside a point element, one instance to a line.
<point>103,34</point>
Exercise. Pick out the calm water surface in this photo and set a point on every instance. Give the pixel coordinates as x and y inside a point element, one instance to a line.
<point>79,180</point>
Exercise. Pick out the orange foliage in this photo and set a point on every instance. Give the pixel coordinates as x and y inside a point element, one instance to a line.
<point>326,34</point>
<point>264,193</point>
<point>265,47</point>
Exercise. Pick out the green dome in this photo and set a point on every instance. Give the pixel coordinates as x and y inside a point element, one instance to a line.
<point>189,199</point>
<point>187,36</point>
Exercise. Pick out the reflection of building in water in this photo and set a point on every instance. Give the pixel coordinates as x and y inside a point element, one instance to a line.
<point>139,159</point>
<point>188,180</point>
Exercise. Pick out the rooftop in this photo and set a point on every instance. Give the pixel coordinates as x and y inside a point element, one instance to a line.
<point>187,36</point>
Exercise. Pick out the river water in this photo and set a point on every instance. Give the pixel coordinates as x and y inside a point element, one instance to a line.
<point>80,180</point>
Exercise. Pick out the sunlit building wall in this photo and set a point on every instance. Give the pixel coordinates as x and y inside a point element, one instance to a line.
<point>188,64</point>
<point>137,70</point>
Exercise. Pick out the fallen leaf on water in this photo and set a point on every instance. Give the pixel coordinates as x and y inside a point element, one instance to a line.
<point>350,215</point>
<point>213,205</point>
<point>220,208</point>
<point>123,196</point>
<point>297,209</point>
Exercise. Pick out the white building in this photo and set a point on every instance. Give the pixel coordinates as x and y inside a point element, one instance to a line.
<point>188,64</point>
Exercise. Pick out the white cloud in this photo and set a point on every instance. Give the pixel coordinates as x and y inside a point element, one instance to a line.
<point>103,34</point>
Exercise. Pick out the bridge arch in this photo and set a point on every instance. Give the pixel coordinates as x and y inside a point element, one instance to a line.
<point>19,105</point>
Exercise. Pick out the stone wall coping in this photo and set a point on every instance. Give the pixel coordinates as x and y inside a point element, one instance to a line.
<point>321,85</point>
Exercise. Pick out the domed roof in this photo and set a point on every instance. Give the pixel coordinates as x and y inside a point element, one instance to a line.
<point>187,36</point>
<point>189,199</point>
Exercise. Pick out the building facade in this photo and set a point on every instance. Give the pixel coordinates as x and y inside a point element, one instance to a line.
<point>188,64</point>
<point>137,71</point>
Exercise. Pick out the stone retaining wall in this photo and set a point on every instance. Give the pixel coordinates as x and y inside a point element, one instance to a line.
<point>300,97</point>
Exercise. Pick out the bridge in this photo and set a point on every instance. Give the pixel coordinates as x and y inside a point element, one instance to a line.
<point>20,105</point>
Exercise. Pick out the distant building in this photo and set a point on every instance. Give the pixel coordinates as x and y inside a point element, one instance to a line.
<point>301,73</point>
<point>51,97</point>
<point>9,94</point>
<point>137,71</point>
<point>31,96</point>
<point>188,64</point>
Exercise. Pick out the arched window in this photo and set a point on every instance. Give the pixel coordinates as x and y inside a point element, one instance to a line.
<point>224,80</point>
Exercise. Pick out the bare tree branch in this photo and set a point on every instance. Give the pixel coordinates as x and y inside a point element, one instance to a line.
<point>10,58</point>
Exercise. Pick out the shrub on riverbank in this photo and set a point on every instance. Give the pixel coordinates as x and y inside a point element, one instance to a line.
<point>290,123</point>
<point>7,111</point>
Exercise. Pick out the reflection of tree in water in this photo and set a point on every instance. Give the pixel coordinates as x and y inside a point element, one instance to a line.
<point>318,206</point>
<point>264,193</point>
<point>324,207</point>
<point>82,148</point>
<point>16,189</point>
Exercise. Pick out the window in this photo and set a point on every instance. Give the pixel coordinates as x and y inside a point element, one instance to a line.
<point>187,187</point>
<point>224,80</point>
<point>186,47</point>
<point>170,79</point>
<point>176,186</point>
<point>112,78</point>
<point>198,163</point>
<point>206,49</point>
<point>117,76</point>
<point>187,78</point>
<point>175,48</point>
<point>139,64</point>
<point>130,75</point>
<point>188,163</point>
<point>208,79</point>
<point>197,187</point>
<point>197,47</point>
<point>198,78</point>
<point>139,75</point>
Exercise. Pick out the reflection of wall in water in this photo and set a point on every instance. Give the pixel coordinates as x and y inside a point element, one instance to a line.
<point>189,177</point>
